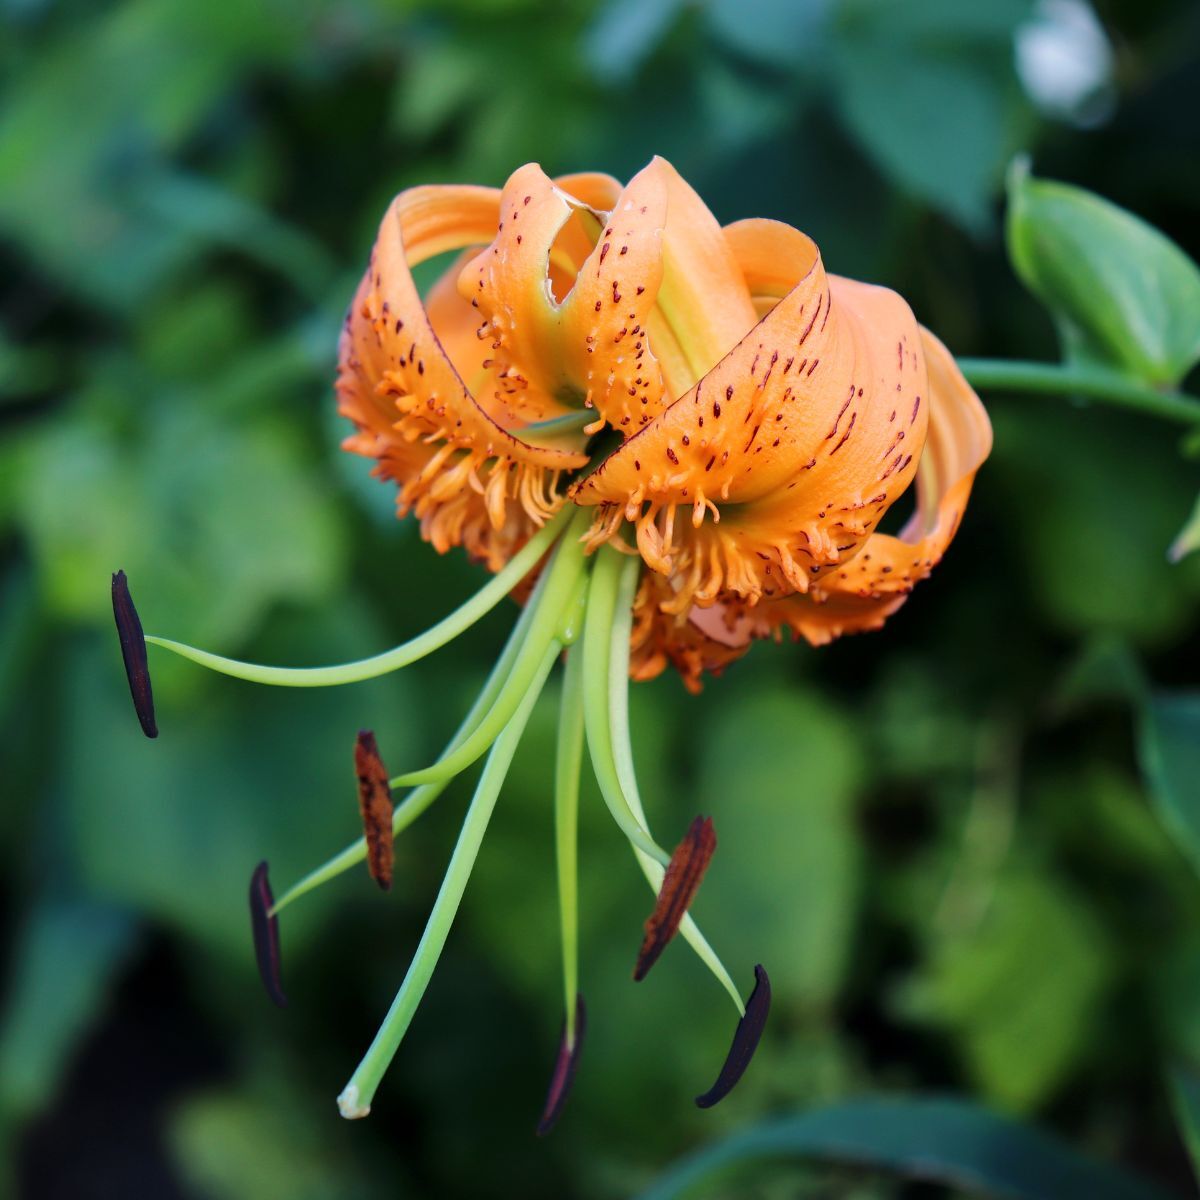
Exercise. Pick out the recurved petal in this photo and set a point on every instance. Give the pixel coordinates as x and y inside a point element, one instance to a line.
<point>458,468</point>
<point>563,341</point>
<point>703,296</point>
<point>604,346</point>
<point>455,324</point>
<point>960,439</point>
<point>796,442</point>
<point>593,188</point>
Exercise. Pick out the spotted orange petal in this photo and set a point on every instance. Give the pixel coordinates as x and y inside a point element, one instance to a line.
<point>458,469</point>
<point>862,595</point>
<point>703,297</point>
<point>787,453</point>
<point>555,348</point>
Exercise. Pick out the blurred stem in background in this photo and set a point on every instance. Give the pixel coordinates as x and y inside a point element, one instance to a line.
<point>1095,383</point>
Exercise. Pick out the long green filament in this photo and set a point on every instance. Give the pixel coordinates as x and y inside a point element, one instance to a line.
<point>355,1099</point>
<point>597,655</point>
<point>478,606</point>
<point>553,608</point>
<point>618,707</point>
<point>568,761</point>
<point>421,798</point>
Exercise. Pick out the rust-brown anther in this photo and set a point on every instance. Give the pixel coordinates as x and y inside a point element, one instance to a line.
<point>684,872</point>
<point>375,805</point>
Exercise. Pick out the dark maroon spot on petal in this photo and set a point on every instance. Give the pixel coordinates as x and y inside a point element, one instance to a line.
<point>745,1041</point>
<point>133,651</point>
<point>684,872</point>
<point>375,805</point>
<point>564,1071</point>
<point>266,934</point>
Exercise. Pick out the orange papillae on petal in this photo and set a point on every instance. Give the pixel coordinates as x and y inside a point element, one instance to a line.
<point>661,639</point>
<point>860,596</point>
<point>864,593</point>
<point>469,480</point>
<point>589,348</point>
<point>771,413</point>
<point>781,460</point>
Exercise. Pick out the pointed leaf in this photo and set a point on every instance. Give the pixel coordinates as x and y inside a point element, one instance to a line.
<point>941,1141</point>
<point>1121,293</point>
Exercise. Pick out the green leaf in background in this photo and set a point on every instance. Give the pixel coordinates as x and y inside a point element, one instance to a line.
<point>778,773</point>
<point>225,521</point>
<point>1019,989</point>
<point>949,1142</point>
<point>1122,294</point>
<point>268,1142</point>
<point>1081,552</point>
<point>938,124</point>
<point>1185,1094</point>
<point>1170,754</point>
<point>67,954</point>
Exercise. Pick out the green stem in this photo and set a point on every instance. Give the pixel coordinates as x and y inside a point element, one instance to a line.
<point>568,762</point>
<point>553,608</point>
<point>478,606</point>
<point>1096,383</point>
<point>355,1099</point>
<point>618,707</point>
<point>597,653</point>
<point>421,798</point>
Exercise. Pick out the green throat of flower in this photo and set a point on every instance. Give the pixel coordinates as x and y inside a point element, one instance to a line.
<point>580,611</point>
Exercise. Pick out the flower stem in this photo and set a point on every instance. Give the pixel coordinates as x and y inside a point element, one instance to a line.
<point>597,655</point>
<point>618,706</point>
<point>446,630</point>
<point>1096,383</point>
<point>355,1099</point>
<point>552,608</point>
<point>568,761</point>
<point>421,798</point>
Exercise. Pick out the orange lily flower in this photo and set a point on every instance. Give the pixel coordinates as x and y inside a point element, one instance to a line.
<point>669,439</point>
<point>771,413</point>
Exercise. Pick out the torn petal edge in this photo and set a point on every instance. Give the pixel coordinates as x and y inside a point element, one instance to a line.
<point>681,881</point>
<point>265,927</point>
<point>745,1041</point>
<point>564,1071</point>
<point>133,652</point>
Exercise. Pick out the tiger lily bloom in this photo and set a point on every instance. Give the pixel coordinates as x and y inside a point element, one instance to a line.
<point>666,438</point>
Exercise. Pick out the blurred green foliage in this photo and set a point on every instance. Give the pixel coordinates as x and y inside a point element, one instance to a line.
<point>937,837</point>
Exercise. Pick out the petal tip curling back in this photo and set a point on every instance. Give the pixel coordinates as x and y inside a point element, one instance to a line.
<point>469,480</point>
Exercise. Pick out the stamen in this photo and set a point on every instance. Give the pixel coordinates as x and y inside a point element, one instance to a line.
<point>621,751</point>
<point>682,879</point>
<point>355,1099</point>
<point>133,651</point>
<point>265,926</point>
<point>564,1070</point>
<point>745,1041</point>
<point>408,652</point>
<point>419,799</point>
<point>563,584</point>
<point>568,764</point>
<point>375,804</point>
<point>597,648</point>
